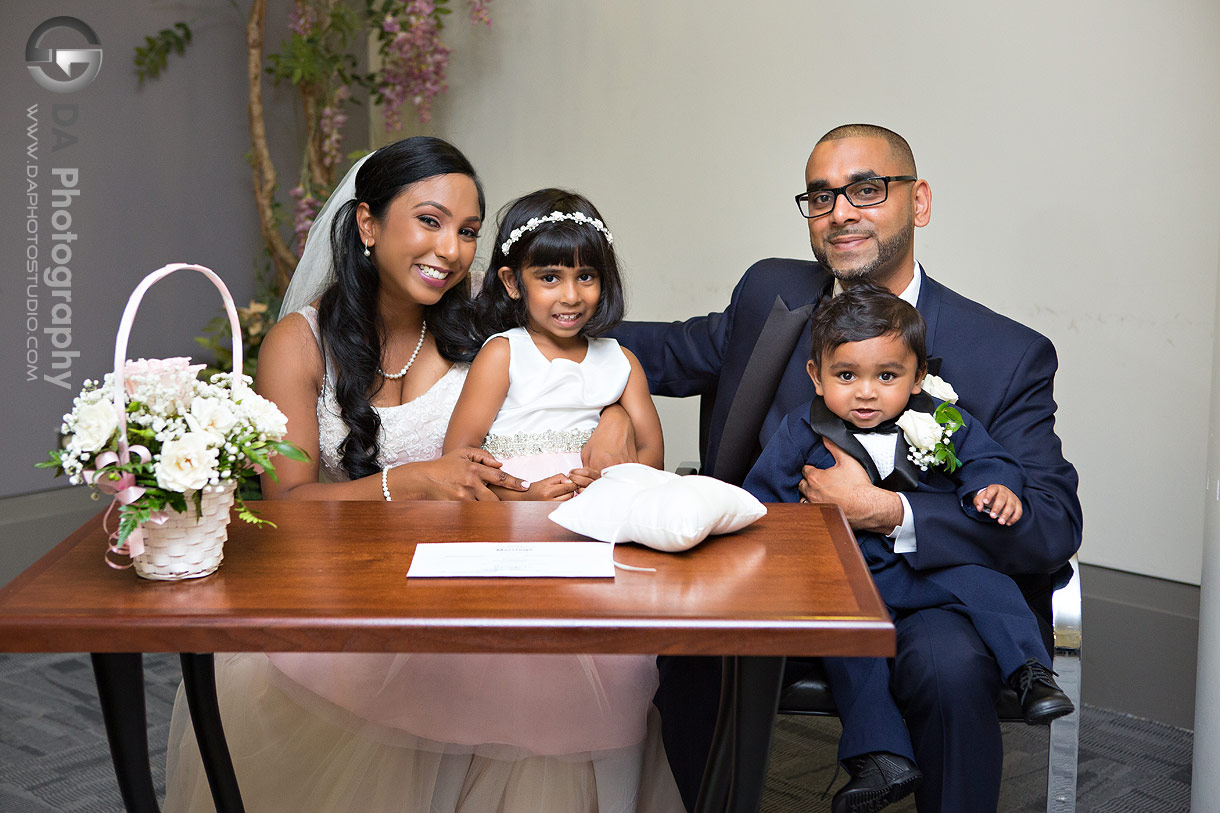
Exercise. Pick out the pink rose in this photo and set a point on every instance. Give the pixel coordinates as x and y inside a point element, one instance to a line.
<point>174,374</point>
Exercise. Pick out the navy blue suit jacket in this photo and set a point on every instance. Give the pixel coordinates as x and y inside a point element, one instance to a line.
<point>797,443</point>
<point>1003,372</point>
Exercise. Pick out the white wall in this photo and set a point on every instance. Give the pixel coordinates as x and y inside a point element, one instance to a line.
<point>1071,149</point>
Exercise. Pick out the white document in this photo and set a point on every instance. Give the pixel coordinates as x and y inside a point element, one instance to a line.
<point>451,560</point>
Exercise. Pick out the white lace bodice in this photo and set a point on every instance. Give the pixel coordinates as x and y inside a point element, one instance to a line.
<point>409,432</point>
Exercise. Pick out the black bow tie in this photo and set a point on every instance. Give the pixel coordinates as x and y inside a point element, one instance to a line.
<point>889,427</point>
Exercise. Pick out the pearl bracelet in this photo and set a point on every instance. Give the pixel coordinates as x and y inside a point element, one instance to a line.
<point>385,483</point>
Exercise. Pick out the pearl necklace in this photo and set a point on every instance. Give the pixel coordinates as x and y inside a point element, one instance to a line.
<point>423,329</point>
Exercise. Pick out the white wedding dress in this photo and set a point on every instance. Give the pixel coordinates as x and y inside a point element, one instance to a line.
<point>428,732</point>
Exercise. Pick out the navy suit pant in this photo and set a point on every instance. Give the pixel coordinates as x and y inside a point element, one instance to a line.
<point>945,681</point>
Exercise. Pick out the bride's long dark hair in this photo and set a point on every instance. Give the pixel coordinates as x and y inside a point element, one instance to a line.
<point>353,334</point>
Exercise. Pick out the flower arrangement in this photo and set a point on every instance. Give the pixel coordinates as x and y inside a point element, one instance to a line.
<point>183,437</point>
<point>928,435</point>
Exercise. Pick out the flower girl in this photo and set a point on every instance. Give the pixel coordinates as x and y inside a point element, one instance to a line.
<point>535,391</point>
<point>532,398</point>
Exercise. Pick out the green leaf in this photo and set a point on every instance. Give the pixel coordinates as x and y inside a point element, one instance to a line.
<point>152,58</point>
<point>291,451</point>
<point>948,416</point>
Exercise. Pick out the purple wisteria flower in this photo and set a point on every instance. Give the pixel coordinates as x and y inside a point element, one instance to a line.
<point>307,207</point>
<point>415,62</point>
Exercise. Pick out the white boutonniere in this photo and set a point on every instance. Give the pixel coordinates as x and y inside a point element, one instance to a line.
<point>938,387</point>
<point>928,436</point>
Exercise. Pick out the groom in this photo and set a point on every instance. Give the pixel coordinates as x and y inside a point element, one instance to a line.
<point>863,200</point>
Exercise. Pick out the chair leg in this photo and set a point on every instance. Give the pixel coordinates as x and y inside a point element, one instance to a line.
<point>1065,739</point>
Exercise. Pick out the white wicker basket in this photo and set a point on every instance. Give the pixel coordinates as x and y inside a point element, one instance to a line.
<point>186,547</point>
<point>183,546</point>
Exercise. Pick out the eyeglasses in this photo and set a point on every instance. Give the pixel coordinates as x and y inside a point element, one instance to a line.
<point>861,194</point>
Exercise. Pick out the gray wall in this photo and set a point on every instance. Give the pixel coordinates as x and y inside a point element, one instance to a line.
<point>162,178</point>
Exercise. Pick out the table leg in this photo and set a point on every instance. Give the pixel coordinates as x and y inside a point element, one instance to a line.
<point>199,681</point>
<point>737,765</point>
<point>120,691</point>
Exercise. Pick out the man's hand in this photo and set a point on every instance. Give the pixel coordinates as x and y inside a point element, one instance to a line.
<point>846,483</point>
<point>613,440</point>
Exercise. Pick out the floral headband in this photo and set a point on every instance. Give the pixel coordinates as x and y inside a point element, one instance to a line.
<point>554,217</point>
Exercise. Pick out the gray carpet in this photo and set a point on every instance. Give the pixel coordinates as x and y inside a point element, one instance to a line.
<point>54,757</point>
<point>1127,765</point>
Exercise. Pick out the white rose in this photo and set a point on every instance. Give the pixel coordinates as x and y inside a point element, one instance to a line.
<point>264,415</point>
<point>187,463</point>
<point>938,387</point>
<point>212,416</point>
<point>94,426</point>
<point>921,429</point>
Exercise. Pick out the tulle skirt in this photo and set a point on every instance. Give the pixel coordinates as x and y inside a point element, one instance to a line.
<point>294,751</point>
<point>468,733</point>
<point>500,705</point>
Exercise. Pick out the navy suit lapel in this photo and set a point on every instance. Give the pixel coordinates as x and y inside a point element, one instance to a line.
<point>756,390</point>
<point>928,305</point>
<point>905,476</point>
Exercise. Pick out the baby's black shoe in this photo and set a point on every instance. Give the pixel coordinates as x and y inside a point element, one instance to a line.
<point>877,779</point>
<point>1041,698</point>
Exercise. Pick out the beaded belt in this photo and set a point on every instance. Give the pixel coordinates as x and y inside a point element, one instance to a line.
<point>527,443</point>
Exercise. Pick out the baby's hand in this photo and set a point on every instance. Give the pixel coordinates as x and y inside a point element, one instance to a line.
<point>556,487</point>
<point>999,503</point>
<point>583,478</point>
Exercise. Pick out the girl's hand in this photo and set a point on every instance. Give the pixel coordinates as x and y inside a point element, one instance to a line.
<point>999,503</point>
<point>583,478</point>
<point>554,488</point>
<point>462,474</point>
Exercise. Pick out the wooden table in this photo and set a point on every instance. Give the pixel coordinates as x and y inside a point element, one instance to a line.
<point>331,577</point>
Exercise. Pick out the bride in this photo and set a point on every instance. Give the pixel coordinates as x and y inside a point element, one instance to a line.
<point>367,363</point>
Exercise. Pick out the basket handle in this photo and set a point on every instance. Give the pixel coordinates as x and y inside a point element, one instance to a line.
<point>129,315</point>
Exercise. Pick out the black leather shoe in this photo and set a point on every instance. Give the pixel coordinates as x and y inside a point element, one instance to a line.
<point>1041,698</point>
<point>877,779</point>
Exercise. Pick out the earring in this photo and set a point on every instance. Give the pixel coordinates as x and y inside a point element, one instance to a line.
<point>366,248</point>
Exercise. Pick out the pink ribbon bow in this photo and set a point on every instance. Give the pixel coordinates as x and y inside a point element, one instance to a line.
<point>125,491</point>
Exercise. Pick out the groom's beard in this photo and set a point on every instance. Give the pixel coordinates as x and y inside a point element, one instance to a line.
<point>887,252</point>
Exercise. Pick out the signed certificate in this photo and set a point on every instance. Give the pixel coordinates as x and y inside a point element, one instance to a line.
<point>465,560</point>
